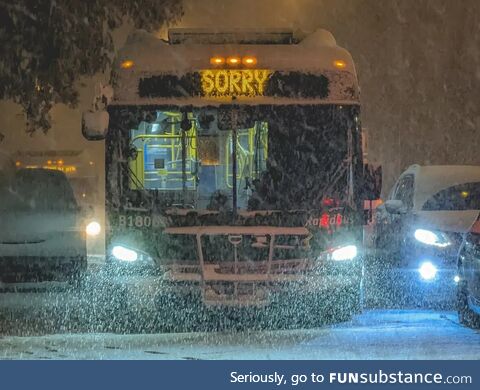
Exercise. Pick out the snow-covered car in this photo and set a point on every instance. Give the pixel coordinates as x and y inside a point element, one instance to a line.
<point>418,229</point>
<point>41,235</point>
<point>468,288</point>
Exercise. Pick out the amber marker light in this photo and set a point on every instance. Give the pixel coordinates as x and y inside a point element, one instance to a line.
<point>233,61</point>
<point>340,64</point>
<point>217,60</point>
<point>127,64</point>
<point>249,61</point>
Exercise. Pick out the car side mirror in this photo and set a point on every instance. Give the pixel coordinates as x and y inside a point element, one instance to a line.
<point>395,206</point>
<point>95,125</point>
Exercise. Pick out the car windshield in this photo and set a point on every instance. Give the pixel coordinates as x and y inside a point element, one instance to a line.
<point>460,197</point>
<point>287,157</point>
<point>36,190</point>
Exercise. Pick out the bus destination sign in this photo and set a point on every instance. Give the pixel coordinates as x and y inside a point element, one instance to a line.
<point>234,82</point>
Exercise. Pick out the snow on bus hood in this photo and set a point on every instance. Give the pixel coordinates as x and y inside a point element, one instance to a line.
<point>458,221</point>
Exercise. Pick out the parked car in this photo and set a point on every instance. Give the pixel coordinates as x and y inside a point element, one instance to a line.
<point>419,228</point>
<point>42,235</point>
<point>468,290</point>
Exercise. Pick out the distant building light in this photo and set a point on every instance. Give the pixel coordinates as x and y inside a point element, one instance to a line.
<point>63,168</point>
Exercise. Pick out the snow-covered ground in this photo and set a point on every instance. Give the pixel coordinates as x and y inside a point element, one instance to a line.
<point>375,334</point>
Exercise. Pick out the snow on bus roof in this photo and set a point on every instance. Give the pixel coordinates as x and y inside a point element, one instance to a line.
<point>315,52</point>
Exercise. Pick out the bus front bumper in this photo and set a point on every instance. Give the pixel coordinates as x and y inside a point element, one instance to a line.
<point>261,289</point>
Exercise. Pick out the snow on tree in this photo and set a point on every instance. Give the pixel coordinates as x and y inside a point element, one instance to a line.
<point>46,45</point>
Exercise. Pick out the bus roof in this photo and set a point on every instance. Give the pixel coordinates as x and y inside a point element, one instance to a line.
<point>191,50</point>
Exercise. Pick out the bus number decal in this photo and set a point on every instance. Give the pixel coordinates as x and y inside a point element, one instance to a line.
<point>329,220</point>
<point>139,221</point>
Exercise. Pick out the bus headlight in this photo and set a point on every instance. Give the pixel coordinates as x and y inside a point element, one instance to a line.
<point>93,228</point>
<point>427,270</point>
<point>428,237</point>
<point>348,252</point>
<point>124,254</point>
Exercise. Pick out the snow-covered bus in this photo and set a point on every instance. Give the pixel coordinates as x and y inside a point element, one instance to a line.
<point>234,163</point>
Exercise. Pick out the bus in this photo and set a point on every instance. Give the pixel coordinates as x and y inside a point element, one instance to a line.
<point>234,165</point>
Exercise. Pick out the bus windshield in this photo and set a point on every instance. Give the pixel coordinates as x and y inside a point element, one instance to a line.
<point>268,157</point>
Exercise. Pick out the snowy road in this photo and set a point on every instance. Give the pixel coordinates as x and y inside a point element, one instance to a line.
<point>376,334</point>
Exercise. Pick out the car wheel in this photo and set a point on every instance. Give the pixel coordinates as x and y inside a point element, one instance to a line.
<point>466,315</point>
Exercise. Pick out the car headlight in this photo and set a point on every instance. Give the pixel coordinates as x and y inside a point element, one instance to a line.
<point>93,228</point>
<point>348,252</point>
<point>428,237</point>
<point>124,254</point>
<point>427,270</point>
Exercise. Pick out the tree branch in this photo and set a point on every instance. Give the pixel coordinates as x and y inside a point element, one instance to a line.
<point>18,8</point>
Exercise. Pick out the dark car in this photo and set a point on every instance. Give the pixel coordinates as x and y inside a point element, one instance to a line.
<point>468,290</point>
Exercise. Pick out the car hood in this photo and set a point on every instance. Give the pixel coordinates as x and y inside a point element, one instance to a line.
<point>458,221</point>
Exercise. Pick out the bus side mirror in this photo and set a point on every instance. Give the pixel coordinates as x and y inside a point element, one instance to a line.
<point>95,125</point>
<point>372,182</point>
